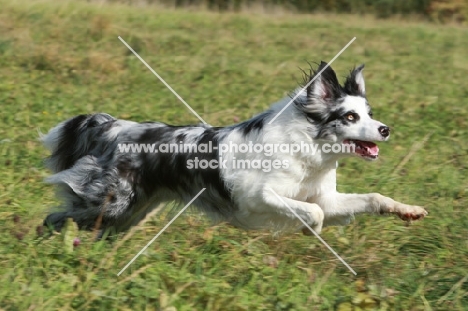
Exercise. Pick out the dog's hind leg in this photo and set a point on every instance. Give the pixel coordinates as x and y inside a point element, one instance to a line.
<point>93,196</point>
<point>56,220</point>
<point>84,220</point>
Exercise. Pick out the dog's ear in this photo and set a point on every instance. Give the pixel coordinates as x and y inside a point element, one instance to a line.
<point>325,87</point>
<point>354,84</point>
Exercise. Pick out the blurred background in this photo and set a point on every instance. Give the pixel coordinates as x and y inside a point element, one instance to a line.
<point>230,60</point>
<point>434,10</point>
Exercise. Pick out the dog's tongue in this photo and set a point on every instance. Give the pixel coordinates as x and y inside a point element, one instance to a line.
<point>368,147</point>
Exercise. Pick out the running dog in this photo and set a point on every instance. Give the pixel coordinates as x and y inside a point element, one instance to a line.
<point>100,178</point>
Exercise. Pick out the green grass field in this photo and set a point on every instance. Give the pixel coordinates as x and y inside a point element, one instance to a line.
<point>62,59</point>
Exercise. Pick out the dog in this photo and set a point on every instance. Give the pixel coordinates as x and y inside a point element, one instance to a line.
<point>102,182</point>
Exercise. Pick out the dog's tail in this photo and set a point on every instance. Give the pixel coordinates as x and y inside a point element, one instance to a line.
<point>72,139</point>
<point>80,180</point>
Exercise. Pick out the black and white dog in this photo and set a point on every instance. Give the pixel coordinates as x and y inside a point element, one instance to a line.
<point>100,177</point>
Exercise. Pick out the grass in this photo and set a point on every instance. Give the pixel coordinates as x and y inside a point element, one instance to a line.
<point>59,59</point>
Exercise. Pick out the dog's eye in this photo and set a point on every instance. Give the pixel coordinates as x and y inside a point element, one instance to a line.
<point>371,114</point>
<point>350,117</point>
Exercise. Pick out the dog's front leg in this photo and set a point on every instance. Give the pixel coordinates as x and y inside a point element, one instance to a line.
<point>310,213</point>
<point>377,203</point>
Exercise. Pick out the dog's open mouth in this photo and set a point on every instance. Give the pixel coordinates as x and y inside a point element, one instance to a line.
<point>365,149</point>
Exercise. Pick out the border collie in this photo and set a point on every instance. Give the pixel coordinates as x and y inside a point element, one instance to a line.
<point>101,182</point>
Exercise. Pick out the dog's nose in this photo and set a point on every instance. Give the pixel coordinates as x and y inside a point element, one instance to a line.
<point>384,131</point>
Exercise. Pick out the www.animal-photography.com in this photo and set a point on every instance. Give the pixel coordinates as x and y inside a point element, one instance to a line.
<point>234,155</point>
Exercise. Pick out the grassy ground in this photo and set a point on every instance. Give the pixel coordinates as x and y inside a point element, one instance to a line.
<point>58,60</point>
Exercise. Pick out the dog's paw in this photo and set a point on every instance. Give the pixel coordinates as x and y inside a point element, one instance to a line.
<point>411,212</point>
<point>317,229</point>
<point>318,217</point>
<point>306,231</point>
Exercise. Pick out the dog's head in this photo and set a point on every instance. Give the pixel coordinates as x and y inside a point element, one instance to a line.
<point>341,114</point>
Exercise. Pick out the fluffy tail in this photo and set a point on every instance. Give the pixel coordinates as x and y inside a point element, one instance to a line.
<point>72,139</point>
<point>76,171</point>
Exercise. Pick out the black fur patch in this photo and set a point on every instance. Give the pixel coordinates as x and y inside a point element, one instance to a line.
<point>254,124</point>
<point>169,170</point>
<point>332,87</point>
<point>350,85</point>
<point>64,154</point>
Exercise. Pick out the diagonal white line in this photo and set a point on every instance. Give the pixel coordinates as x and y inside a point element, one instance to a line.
<point>310,82</point>
<point>162,80</point>
<point>313,231</point>
<point>159,233</point>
